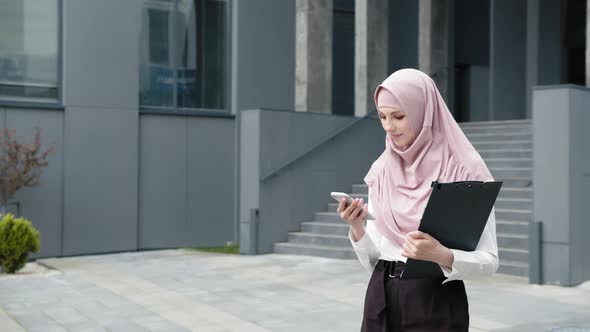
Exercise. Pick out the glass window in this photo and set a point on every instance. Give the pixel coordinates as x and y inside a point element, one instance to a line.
<point>156,69</point>
<point>159,32</point>
<point>184,54</point>
<point>29,50</point>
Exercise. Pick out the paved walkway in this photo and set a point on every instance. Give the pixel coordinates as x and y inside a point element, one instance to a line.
<point>181,290</point>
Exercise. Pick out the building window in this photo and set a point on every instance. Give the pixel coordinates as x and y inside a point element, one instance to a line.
<point>184,54</point>
<point>29,39</point>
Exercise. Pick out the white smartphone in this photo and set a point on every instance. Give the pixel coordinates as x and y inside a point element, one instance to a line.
<point>338,196</point>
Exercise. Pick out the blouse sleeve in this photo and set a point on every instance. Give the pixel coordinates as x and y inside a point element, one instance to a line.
<point>481,262</point>
<point>367,247</point>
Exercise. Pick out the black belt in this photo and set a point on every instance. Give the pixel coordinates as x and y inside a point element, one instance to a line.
<point>394,268</point>
<point>375,299</point>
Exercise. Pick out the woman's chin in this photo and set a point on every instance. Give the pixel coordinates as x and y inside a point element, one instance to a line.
<point>400,146</point>
<point>403,145</point>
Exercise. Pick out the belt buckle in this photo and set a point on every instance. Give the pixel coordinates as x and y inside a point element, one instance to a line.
<point>392,269</point>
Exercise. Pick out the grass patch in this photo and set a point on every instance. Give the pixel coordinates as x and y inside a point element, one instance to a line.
<point>232,249</point>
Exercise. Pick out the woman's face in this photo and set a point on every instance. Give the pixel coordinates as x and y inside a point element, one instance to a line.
<point>396,124</point>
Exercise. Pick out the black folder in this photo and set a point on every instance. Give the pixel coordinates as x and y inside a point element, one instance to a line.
<point>455,215</point>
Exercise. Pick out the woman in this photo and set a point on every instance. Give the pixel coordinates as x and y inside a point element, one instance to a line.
<point>423,144</point>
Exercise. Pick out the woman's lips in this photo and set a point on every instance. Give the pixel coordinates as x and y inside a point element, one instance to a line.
<point>396,136</point>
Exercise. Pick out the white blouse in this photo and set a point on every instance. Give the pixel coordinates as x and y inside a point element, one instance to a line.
<point>466,265</point>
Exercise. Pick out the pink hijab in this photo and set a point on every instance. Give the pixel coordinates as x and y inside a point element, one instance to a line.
<point>399,180</point>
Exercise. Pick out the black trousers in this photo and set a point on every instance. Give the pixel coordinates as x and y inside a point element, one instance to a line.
<point>393,304</point>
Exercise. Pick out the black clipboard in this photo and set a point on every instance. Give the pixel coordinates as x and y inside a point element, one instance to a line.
<point>455,215</point>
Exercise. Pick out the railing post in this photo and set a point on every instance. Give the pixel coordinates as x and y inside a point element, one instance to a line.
<point>535,253</point>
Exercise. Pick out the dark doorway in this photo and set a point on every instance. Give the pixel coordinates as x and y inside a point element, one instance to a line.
<point>471,61</point>
<point>575,42</point>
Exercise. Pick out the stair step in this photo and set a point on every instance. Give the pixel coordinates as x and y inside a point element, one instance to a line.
<point>468,130</point>
<point>359,189</point>
<point>514,214</point>
<point>494,153</point>
<point>359,195</point>
<point>494,126</point>
<point>333,204</point>
<point>509,162</point>
<point>328,217</point>
<point>328,228</point>
<point>514,268</point>
<point>507,136</point>
<point>503,202</point>
<point>319,239</point>
<point>503,145</point>
<point>511,172</point>
<point>332,207</point>
<point>517,268</point>
<point>514,255</point>
<point>512,227</point>
<point>500,123</point>
<point>512,241</point>
<point>314,250</point>
<point>514,203</point>
<point>514,192</point>
<point>515,182</point>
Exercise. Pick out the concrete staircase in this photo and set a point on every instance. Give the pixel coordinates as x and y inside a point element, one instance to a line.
<point>505,146</point>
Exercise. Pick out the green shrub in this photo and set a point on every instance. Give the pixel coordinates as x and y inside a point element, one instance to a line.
<point>17,238</point>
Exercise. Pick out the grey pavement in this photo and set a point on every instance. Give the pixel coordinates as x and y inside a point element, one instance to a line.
<point>183,290</point>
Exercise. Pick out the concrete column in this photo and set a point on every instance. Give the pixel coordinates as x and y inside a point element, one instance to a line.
<point>588,43</point>
<point>371,52</point>
<point>433,42</point>
<point>313,64</point>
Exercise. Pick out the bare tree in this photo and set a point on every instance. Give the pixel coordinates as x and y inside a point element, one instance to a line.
<point>21,163</point>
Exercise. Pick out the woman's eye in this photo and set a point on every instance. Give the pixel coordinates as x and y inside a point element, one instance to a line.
<point>399,117</point>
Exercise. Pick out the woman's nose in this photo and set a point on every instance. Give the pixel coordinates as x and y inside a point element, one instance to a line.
<point>389,126</point>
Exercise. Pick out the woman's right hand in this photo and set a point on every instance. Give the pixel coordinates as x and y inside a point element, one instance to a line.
<point>355,215</point>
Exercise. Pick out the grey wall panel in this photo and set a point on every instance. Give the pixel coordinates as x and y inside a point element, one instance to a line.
<point>163,182</point>
<point>507,59</point>
<point>210,180</point>
<point>249,163</point>
<point>558,271</point>
<point>43,204</point>
<point>580,184</point>
<point>288,134</point>
<point>551,156</point>
<point>101,175</point>
<point>561,178</point>
<point>263,54</point>
<point>101,53</point>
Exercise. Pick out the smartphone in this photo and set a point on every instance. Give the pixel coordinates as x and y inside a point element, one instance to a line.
<point>339,195</point>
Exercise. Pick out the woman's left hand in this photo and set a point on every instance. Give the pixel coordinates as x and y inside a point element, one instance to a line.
<point>420,245</point>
